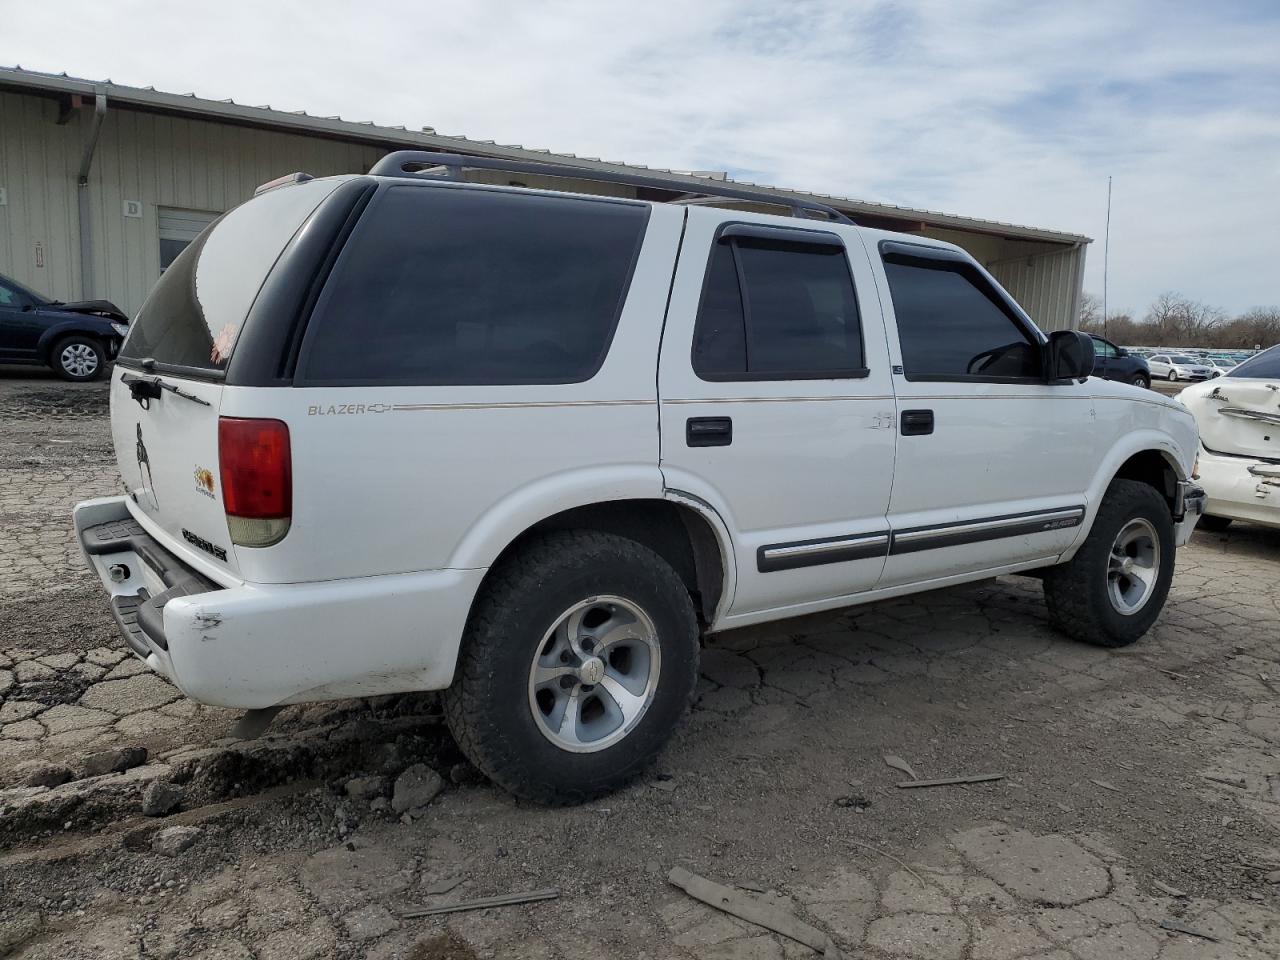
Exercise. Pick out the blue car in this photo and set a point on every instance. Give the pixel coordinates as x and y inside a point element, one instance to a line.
<point>76,339</point>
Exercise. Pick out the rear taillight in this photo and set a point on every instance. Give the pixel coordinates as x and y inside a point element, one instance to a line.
<point>257,479</point>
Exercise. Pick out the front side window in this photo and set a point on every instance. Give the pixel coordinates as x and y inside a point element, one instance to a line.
<point>463,286</point>
<point>9,297</point>
<point>951,325</point>
<point>777,310</point>
<point>1101,348</point>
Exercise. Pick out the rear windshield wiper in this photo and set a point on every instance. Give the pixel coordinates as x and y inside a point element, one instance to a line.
<point>146,389</point>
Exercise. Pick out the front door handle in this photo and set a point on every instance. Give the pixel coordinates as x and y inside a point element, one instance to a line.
<point>708,431</point>
<point>917,423</point>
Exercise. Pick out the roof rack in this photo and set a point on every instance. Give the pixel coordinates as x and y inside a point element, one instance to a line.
<point>414,163</point>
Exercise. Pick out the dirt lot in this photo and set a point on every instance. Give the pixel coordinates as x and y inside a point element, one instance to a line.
<point>1141,787</point>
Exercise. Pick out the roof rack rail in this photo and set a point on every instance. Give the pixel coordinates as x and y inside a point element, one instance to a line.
<point>412,163</point>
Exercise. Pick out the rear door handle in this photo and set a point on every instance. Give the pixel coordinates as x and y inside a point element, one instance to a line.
<point>917,423</point>
<point>708,431</point>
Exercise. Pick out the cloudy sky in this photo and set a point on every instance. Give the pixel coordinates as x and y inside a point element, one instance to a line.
<point>1013,111</point>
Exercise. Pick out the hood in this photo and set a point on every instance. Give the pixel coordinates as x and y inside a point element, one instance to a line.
<point>1237,416</point>
<point>95,308</point>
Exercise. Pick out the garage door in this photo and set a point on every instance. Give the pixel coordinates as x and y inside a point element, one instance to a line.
<point>178,228</point>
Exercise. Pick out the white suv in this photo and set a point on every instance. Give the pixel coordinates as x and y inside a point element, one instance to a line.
<point>404,432</point>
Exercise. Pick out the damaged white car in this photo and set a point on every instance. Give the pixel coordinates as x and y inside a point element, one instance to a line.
<point>1239,420</point>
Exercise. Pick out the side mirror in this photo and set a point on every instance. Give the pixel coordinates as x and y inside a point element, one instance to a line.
<point>27,307</point>
<point>1068,355</point>
<point>1121,352</point>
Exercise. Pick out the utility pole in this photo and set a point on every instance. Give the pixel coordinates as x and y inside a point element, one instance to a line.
<point>1106,256</point>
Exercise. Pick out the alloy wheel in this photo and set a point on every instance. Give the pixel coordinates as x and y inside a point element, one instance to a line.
<point>594,674</point>
<point>1133,566</point>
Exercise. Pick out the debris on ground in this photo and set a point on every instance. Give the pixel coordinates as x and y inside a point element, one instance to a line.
<point>1238,782</point>
<point>1106,785</point>
<point>753,910</point>
<point>1174,926</point>
<point>1168,890</point>
<point>442,886</point>
<point>172,841</point>
<point>950,781</point>
<point>111,761</point>
<point>161,797</point>
<point>900,765</point>
<point>503,900</point>
<point>415,788</point>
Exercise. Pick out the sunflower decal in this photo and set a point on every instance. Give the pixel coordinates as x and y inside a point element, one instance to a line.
<point>204,481</point>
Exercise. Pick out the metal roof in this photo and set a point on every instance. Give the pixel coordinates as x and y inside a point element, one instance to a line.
<point>301,122</point>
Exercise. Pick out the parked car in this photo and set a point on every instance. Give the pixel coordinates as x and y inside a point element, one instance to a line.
<point>1179,366</point>
<point>402,432</point>
<point>1223,365</point>
<point>1239,463</point>
<point>1116,363</point>
<point>75,339</point>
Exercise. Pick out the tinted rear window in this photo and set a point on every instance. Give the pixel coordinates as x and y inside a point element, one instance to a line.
<point>193,315</point>
<point>1262,366</point>
<point>464,286</point>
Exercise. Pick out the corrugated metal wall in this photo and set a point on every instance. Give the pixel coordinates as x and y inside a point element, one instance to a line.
<point>1045,278</point>
<point>197,165</point>
<point>1046,284</point>
<point>157,160</point>
<point>39,238</point>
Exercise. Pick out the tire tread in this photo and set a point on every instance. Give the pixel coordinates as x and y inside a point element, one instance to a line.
<point>477,734</point>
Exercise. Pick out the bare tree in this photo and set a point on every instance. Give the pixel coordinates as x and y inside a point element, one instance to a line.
<point>1178,321</point>
<point>1090,313</point>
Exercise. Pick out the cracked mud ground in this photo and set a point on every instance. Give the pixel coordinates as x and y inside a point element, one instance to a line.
<point>1141,787</point>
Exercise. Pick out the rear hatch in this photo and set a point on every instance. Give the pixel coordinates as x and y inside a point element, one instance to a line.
<point>1240,417</point>
<point>167,387</point>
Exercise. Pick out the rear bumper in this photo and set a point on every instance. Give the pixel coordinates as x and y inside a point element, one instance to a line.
<point>1241,488</point>
<point>259,645</point>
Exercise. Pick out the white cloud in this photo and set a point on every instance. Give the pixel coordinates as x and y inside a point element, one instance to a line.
<point>1011,111</point>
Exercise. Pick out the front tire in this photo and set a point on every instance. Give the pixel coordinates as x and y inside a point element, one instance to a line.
<point>79,359</point>
<point>579,660</point>
<point>1141,381</point>
<point>1173,375</point>
<point>1114,588</point>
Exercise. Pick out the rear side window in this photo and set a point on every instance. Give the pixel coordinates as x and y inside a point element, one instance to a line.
<point>1262,366</point>
<point>463,286</point>
<point>951,325</point>
<point>193,315</point>
<point>776,310</point>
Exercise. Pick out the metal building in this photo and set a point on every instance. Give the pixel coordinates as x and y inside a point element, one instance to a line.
<point>102,185</point>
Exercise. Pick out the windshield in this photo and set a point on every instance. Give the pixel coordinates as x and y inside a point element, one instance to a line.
<point>1263,366</point>
<point>7,285</point>
<point>1181,359</point>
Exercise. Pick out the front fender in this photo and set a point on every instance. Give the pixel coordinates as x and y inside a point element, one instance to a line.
<point>99,330</point>
<point>1178,453</point>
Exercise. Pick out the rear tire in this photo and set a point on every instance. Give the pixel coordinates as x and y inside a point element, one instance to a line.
<point>1100,596</point>
<point>1213,524</point>
<point>78,358</point>
<point>533,708</point>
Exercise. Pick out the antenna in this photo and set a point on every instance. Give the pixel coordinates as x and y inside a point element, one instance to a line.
<point>1106,256</point>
